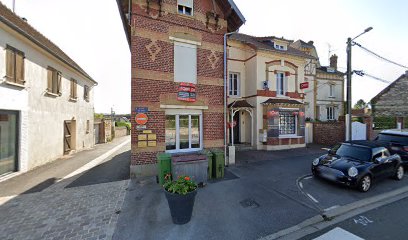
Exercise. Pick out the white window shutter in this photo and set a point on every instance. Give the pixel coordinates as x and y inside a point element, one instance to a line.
<point>185,63</point>
<point>187,3</point>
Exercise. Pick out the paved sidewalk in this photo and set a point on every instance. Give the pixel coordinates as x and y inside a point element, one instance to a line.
<point>84,206</point>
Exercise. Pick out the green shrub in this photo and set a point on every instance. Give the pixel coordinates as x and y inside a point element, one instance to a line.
<point>123,124</point>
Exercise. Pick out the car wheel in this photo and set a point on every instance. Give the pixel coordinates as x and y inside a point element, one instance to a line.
<point>365,183</point>
<point>399,173</point>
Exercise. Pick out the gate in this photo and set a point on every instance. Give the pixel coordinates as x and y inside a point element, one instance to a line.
<point>359,131</point>
<point>67,137</point>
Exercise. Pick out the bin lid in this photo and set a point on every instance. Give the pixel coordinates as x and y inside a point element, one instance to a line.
<point>188,158</point>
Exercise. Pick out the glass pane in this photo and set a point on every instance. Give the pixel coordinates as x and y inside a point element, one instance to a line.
<point>236,84</point>
<point>170,132</point>
<point>184,132</point>
<point>287,123</point>
<point>230,84</point>
<point>195,131</point>
<point>8,153</point>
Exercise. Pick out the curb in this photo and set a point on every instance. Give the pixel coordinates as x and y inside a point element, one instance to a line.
<point>334,216</point>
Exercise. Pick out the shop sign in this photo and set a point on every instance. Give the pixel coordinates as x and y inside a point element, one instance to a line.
<point>187,92</point>
<point>304,85</point>
<point>141,118</point>
<point>141,127</point>
<point>142,110</point>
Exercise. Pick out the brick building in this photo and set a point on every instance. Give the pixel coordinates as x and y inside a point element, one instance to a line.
<point>177,75</point>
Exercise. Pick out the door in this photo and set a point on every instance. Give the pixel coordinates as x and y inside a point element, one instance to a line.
<point>8,142</point>
<point>236,128</point>
<point>67,137</point>
<point>96,133</point>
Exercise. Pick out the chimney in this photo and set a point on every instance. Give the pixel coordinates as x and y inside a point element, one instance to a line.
<point>310,42</point>
<point>333,61</point>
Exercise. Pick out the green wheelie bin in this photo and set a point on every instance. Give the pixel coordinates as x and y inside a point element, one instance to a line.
<point>218,163</point>
<point>164,166</point>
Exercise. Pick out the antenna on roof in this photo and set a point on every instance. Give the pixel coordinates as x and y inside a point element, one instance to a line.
<point>330,51</point>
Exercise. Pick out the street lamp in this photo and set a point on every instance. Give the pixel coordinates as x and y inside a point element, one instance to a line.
<point>349,72</point>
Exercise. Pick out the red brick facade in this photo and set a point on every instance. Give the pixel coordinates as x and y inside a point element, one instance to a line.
<point>153,84</point>
<point>328,133</point>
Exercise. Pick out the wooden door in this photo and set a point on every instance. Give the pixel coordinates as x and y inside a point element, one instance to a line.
<point>67,137</point>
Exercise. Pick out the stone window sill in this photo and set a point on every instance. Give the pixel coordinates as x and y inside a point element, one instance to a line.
<point>14,84</point>
<point>73,99</point>
<point>51,94</point>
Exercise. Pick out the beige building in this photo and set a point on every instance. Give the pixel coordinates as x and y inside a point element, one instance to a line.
<point>274,85</point>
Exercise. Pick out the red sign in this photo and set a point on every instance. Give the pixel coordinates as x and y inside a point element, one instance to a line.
<point>304,85</point>
<point>141,118</point>
<point>187,92</point>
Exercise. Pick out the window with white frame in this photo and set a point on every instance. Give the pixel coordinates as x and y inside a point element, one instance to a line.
<point>185,7</point>
<point>279,47</point>
<point>234,85</point>
<point>330,113</point>
<point>183,132</point>
<point>185,62</point>
<point>280,84</point>
<point>287,122</point>
<point>331,90</point>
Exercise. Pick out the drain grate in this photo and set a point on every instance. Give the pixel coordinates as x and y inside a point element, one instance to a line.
<point>249,203</point>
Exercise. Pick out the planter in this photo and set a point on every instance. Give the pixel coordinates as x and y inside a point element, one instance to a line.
<point>181,206</point>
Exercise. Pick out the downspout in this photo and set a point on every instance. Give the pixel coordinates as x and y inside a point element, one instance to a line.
<point>225,96</point>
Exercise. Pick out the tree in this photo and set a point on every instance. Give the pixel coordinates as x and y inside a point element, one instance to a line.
<point>361,104</point>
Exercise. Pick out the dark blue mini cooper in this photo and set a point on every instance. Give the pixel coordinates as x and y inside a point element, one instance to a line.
<point>357,164</point>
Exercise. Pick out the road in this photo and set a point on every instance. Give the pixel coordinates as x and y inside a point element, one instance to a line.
<point>386,222</point>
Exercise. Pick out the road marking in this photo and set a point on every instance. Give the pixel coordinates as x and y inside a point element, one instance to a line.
<point>338,234</point>
<point>3,200</point>
<point>307,178</point>
<point>95,162</point>
<point>300,184</point>
<point>313,199</point>
<point>363,221</point>
<point>331,208</point>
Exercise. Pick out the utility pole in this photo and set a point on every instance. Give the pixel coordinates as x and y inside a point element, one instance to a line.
<point>14,6</point>
<point>349,72</point>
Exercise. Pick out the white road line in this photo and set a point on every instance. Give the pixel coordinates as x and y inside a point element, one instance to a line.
<point>338,234</point>
<point>95,162</point>
<point>3,200</point>
<point>300,184</point>
<point>307,178</point>
<point>331,208</point>
<point>313,199</point>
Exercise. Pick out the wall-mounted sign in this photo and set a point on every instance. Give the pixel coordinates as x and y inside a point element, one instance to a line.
<point>141,127</point>
<point>304,85</point>
<point>187,92</point>
<point>142,110</point>
<point>141,118</point>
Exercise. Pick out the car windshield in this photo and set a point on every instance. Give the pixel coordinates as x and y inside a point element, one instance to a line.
<point>355,152</point>
<point>393,138</point>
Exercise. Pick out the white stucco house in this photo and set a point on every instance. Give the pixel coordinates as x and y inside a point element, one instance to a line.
<point>46,99</point>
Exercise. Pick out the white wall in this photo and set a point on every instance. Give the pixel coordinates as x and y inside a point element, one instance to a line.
<point>42,116</point>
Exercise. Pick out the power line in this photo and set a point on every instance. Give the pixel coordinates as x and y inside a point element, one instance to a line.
<point>362,74</point>
<point>378,56</point>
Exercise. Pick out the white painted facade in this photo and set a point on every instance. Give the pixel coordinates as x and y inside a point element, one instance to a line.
<point>41,116</point>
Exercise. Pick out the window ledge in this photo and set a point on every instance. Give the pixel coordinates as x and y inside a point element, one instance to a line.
<point>51,94</point>
<point>14,84</point>
<point>290,136</point>
<point>73,99</point>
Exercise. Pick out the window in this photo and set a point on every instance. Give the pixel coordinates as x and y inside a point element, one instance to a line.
<point>281,84</point>
<point>54,82</point>
<point>331,90</point>
<point>183,132</point>
<point>14,66</point>
<point>279,47</point>
<point>87,126</point>
<point>287,123</point>
<point>234,85</point>
<point>74,87</point>
<point>185,62</point>
<point>330,113</point>
<point>185,7</point>
<point>86,93</point>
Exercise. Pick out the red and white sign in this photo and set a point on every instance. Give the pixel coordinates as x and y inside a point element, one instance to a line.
<point>187,92</point>
<point>141,118</point>
<point>304,85</point>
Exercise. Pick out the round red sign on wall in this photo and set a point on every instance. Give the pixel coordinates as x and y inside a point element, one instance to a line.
<point>141,118</point>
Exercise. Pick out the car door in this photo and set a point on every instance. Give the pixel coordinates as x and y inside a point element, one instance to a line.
<point>381,166</point>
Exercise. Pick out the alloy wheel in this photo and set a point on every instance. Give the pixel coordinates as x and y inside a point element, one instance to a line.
<point>366,183</point>
<point>400,172</point>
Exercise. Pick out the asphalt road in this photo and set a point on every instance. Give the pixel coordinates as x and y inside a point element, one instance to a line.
<point>387,222</point>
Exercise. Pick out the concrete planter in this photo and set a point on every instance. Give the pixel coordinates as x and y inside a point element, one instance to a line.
<point>181,206</point>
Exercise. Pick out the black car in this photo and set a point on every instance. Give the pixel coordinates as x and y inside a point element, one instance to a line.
<point>357,164</point>
<point>396,141</point>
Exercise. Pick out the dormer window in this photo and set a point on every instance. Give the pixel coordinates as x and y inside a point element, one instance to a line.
<point>279,47</point>
<point>185,7</point>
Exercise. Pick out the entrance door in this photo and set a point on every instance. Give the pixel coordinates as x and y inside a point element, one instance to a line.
<point>236,129</point>
<point>8,142</point>
<point>67,137</point>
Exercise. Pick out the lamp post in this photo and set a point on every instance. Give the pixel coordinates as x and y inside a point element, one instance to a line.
<point>349,73</point>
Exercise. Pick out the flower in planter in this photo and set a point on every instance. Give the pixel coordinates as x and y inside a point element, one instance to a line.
<point>182,185</point>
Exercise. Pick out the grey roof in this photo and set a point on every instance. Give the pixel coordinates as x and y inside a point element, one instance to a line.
<point>240,104</point>
<point>324,69</point>
<point>22,27</point>
<point>260,44</point>
<point>284,101</point>
<point>237,11</point>
<point>385,90</point>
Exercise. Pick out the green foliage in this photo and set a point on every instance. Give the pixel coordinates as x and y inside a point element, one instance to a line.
<point>361,104</point>
<point>182,185</point>
<point>123,124</point>
<point>98,116</point>
<point>384,123</point>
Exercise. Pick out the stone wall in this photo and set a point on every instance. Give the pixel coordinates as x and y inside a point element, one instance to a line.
<point>121,132</point>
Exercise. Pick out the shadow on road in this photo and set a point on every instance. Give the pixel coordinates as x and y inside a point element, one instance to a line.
<point>116,169</point>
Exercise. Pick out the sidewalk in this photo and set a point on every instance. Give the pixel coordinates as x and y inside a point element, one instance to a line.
<point>51,203</point>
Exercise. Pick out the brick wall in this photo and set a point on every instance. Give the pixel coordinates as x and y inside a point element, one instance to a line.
<point>153,71</point>
<point>328,133</point>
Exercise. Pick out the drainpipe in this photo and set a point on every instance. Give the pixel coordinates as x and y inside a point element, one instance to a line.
<point>225,96</point>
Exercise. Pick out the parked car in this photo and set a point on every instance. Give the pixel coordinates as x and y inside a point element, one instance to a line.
<point>357,164</point>
<point>396,141</point>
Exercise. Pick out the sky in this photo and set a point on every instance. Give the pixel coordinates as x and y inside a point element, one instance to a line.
<point>91,33</point>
